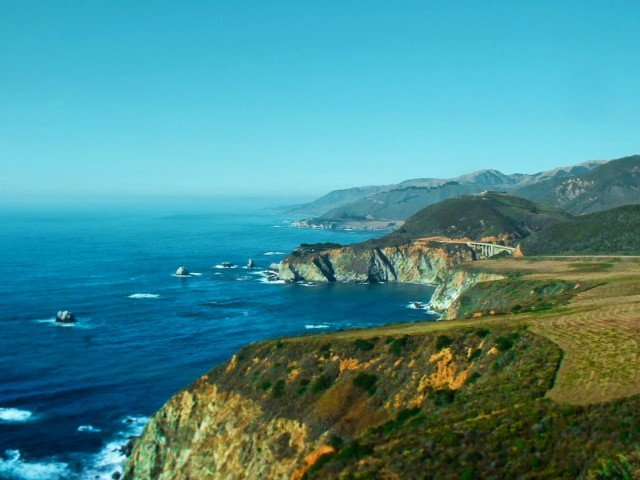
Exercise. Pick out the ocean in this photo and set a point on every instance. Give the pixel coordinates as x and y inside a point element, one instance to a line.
<point>71,396</point>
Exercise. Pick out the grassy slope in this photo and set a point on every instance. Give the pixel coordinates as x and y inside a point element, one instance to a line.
<point>613,231</point>
<point>591,431</point>
<point>477,216</point>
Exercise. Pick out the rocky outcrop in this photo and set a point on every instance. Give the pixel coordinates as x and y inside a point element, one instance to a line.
<point>182,272</point>
<point>277,407</point>
<point>65,316</point>
<point>453,284</point>
<point>423,261</point>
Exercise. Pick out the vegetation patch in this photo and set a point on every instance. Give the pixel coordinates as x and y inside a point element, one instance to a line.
<point>363,345</point>
<point>516,295</point>
<point>365,381</point>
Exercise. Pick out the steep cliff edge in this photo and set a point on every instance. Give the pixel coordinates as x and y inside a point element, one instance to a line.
<point>467,402</point>
<point>279,406</point>
<point>426,261</point>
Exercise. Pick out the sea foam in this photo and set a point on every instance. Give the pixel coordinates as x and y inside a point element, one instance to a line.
<point>14,415</point>
<point>111,457</point>
<point>12,465</point>
<point>144,295</point>
<point>319,325</point>
<point>89,428</point>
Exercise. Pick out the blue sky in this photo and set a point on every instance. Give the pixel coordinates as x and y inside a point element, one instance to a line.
<point>104,98</point>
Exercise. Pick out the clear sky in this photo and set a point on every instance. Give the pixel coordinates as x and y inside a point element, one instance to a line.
<point>301,97</point>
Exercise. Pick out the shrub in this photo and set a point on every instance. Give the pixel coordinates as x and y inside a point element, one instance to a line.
<point>444,397</point>
<point>363,345</point>
<point>442,342</point>
<point>355,450</point>
<point>321,383</point>
<point>482,332</point>
<point>366,382</point>
<point>397,345</point>
<point>266,385</point>
<point>278,388</point>
<point>504,343</point>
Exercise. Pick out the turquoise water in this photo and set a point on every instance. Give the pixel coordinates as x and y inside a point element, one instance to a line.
<point>70,396</point>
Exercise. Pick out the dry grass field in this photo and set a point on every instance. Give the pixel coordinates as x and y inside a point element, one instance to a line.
<point>598,331</point>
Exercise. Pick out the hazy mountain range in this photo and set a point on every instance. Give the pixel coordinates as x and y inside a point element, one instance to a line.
<point>590,186</point>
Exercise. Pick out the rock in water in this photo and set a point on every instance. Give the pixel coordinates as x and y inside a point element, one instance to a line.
<point>183,272</point>
<point>65,316</point>
<point>227,265</point>
<point>251,264</point>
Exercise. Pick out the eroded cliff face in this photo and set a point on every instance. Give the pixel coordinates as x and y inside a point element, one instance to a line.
<point>422,261</point>
<point>279,406</point>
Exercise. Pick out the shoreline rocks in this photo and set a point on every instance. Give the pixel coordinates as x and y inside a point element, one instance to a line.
<point>182,272</point>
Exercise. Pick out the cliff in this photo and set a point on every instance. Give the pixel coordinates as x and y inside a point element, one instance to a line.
<point>522,392</point>
<point>424,261</point>
<point>467,402</point>
<point>279,406</point>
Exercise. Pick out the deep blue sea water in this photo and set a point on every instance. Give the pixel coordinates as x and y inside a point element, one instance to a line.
<point>71,395</point>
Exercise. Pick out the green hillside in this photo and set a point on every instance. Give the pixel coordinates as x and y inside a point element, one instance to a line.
<point>610,185</point>
<point>612,232</point>
<point>478,216</point>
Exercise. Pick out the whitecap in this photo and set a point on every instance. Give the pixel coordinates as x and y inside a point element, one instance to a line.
<point>269,254</point>
<point>309,284</point>
<point>271,282</point>
<point>225,267</point>
<point>13,466</point>
<point>320,325</point>
<point>418,305</point>
<point>112,456</point>
<point>15,415</point>
<point>52,321</point>
<point>89,428</point>
<point>196,274</point>
<point>144,295</point>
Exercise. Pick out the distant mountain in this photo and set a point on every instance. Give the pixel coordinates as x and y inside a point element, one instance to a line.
<point>478,217</point>
<point>334,199</point>
<point>610,232</point>
<point>609,185</point>
<point>386,206</point>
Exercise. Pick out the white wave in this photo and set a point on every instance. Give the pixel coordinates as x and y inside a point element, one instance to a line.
<point>52,321</point>
<point>144,295</point>
<point>320,325</point>
<point>89,428</point>
<point>217,273</point>
<point>269,254</point>
<point>418,306</point>
<point>15,415</point>
<point>111,458</point>
<point>12,466</point>
<point>196,274</point>
<point>271,282</point>
<point>225,267</point>
<point>243,278</point>
<point>309,284</point>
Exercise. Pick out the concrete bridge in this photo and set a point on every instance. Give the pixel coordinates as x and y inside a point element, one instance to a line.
<point>486,250</point>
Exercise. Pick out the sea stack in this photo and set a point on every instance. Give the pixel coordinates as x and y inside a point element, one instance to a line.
<point>251,264</point>
<point>65,316</point>
<point>182,272</point>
